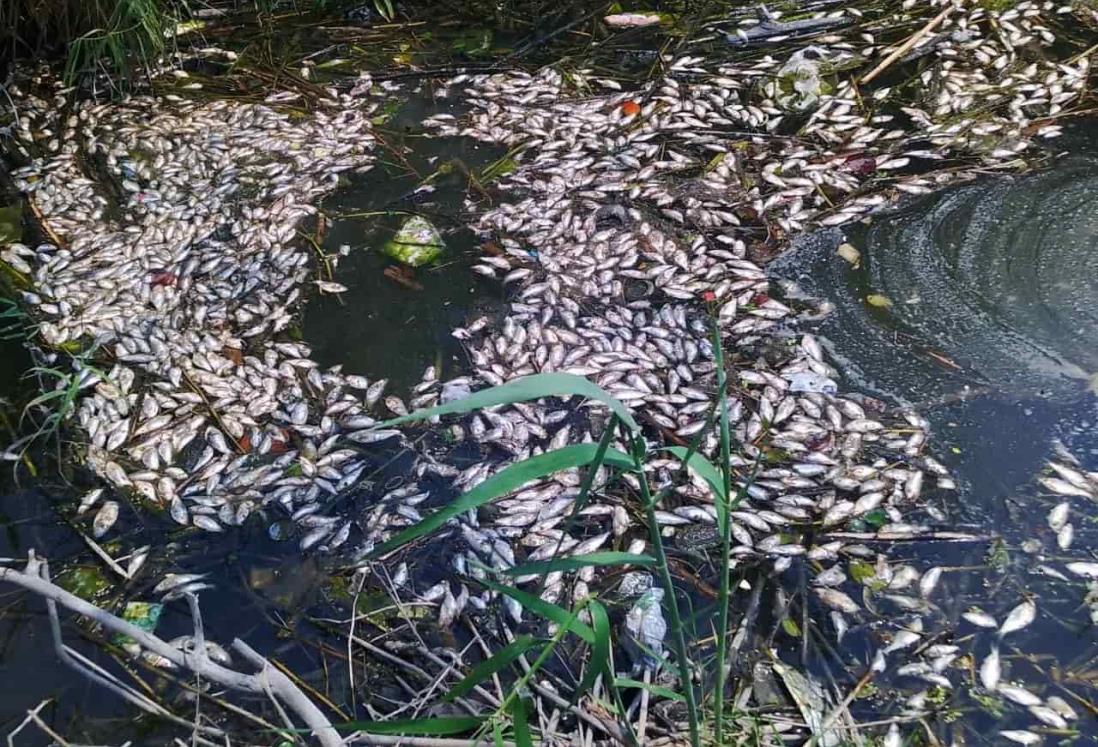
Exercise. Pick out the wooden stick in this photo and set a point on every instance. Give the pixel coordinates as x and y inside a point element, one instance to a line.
<point>268,679</point>
<point>907,45</point>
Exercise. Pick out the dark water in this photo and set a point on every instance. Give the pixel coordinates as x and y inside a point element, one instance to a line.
<point>991,330</point>
<point>264,591</point>
<point>380,326</point>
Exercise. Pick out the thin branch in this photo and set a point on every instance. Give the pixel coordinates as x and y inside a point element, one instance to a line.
<point>907,45</point>
<point>268,679</point>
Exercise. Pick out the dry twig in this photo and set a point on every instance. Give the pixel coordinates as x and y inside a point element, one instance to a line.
<point>268,680</point>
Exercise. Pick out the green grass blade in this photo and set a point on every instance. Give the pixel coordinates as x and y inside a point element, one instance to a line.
<point>521,390</point>
<point>415,726</point>
<point>485,669</point>
<point>660,690</point>
<point>713,477</point>
<point>724,507</point>
<point>520,723</point>
<point>678,639</point>
<point>599,661</point>
<point>575,562</point>
<point>506,481</point>
<point>551,612</point>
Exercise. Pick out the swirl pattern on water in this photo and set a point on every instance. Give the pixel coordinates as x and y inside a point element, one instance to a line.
<point>992,285</point>
<point>1002,275</point>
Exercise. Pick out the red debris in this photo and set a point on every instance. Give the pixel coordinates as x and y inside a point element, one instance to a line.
<point>163,278</point>
<point>860,165</point>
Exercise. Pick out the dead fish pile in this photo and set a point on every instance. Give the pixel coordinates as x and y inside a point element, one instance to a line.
<point>178,265</point>
<point>946,636</point>
<point>620,224</point>
<point>629,212</point>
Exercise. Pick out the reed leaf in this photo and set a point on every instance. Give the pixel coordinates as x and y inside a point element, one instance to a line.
<point>551,612</point>
<point>424,727</point>
<point>575,562</point>
<point>713,477</point>
<point>520,724</point>
<point>507,480</point>
<point>522,390</point>
<point>499,660</point>
<point>599,661</point>
<point>663,692</point>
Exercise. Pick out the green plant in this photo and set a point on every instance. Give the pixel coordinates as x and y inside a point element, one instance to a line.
<point>130,35</point>
<point>594,633</point>
<point>385,9</point>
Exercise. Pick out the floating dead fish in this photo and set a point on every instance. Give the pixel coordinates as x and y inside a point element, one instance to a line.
<point>104,519</point>
<point>1018,618</point>
<point>991,669</point>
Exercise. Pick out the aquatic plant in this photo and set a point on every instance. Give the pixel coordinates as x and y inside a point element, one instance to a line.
<point>588,620</point>
<point>118,36</point>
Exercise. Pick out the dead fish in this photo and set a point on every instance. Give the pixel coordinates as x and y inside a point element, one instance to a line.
<point>173,580</point>
<point>137,560</point>
<point>1057,517</point>
<point>206,523</point>
<point>327,286</point>
<point>991,669</point>
<point>979,618</point>
<point>1063,487</point>
<point>929,581</point>
<point>1019,695</point>
<point>1084,569</point>
<point>105,519</point>
<point>1065,536</point>
<point>903,639</point>
<point>838,600</point>
<point>1019,617</point>
<point>1049,716</point>
<point>88,500</point>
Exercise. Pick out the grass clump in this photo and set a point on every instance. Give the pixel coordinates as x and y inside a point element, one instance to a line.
<point>588,620</point>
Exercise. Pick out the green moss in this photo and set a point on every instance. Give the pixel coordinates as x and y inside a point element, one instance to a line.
<point>86,582</point>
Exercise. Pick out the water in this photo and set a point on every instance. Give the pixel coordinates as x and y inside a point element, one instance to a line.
<point>990,286</point>
<point>991,330</point>
<point>266,592</point>
<point>382,326</point>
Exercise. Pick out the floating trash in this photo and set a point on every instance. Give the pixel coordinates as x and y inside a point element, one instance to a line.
<point>417,243</point>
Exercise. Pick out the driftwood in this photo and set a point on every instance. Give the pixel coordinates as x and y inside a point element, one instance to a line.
<point>268,681</point>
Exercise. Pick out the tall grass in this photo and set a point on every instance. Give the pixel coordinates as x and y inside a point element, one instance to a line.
<point>119,37</point>
<point>588,620</point>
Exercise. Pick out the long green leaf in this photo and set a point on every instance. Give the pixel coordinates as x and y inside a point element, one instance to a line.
<point>506,481</point>
<point>415,726</point>
<point>521,390</point>
<point>713,477</point>
<point>521,725</point>
<point>576,562</point>
<point>551,612</point>
<point>599,661</point>
<point>499,660</point>
<point>663,692</point>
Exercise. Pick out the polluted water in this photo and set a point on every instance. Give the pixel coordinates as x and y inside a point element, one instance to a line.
<point>622,222</point>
